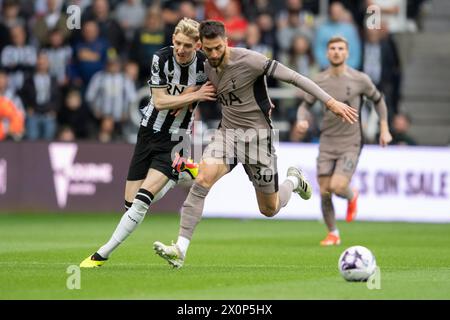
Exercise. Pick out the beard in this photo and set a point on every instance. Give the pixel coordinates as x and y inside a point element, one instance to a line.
<point>216,62</point>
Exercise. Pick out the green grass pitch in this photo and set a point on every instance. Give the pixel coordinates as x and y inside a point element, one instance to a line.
<point>227,259</point>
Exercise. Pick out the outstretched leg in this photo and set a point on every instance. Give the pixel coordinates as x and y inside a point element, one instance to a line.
<point>191,212</point>
<point>135,214</point>
<point>271,203</point>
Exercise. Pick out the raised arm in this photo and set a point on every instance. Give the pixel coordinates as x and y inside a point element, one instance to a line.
<point>280,72</point>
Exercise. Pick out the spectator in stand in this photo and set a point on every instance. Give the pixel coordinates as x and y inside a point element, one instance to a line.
<point>187,9</point>
<point>11,120</point>
<point>109,28</point>
<point>53,19</point>
<point>266,25</point>
<point>11,15</point>
<point>130,14</point>
<point>305,18</point>
<point>60,55</point>
<point>382,63</point>
<point>292,22</point>
<point>357,9</point>
<point>42,98</point>
<point>235,23</point>
<point>89,55</point>
<point>170,17</point>
<point>400,130</point>
<point>131,70</point>
<point>253,41</point>
<point>414,12</point>
<point>75,115</point>
<point>19,58</point>
<point>7,92</point>
<point>65,134</point>
<point>147,40</point>
<point>82,4</point>
<point>229,12</point>
<point>337,25</point>
<point>299,57</point>
<point>253,8</point>
<point>109,96</point>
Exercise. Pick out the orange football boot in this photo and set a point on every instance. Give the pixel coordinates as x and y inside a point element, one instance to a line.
<point>331,240</point>
<point>352,207</point>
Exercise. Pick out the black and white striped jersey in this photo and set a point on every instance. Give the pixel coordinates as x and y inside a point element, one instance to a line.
<point>167,73</point>
<point>110,94</point>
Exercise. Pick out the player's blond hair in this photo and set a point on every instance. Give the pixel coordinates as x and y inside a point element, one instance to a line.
<point>189,28</point>
<point>337,39</point>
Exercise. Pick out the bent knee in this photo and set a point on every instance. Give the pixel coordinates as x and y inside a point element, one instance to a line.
<point>204,181</point>
<point>268,211</point>
<point>338,189</point>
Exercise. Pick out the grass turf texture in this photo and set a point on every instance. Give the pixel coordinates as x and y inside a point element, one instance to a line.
<point>228,259</point>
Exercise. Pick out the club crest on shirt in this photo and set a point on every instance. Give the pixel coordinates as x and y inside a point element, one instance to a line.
<point>201,76</point>
<point>348,91</point>
<point>233,82</point>
<point>155,67</point>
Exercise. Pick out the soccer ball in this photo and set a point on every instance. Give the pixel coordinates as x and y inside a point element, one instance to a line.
<point>357,263</point>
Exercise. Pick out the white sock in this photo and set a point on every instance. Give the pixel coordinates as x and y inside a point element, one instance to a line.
<point>129,222</point>
<point>169,185</point>
<point>295,181</point>
<point>335,232</point>
<point>183,244</point>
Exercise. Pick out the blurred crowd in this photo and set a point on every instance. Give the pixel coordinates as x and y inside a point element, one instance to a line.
<point>63,83</point>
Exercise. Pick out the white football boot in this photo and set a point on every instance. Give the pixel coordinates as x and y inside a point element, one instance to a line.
<point>171,253</point>
<point>304,189</point>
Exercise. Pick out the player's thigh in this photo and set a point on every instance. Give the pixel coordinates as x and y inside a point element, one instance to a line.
<point>343,173</point>
<point>347,162</point>
<point>339,183</point>
<point>265,181</point>
<point>154,181</point>
<point>210,170</point>
<point>326,163</point>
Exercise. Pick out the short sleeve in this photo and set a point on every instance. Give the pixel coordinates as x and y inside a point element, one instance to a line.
<point>201,77</point>
<point>158,77</point>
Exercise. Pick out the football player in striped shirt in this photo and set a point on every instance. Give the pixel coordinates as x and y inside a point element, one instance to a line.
<point>178,83</point>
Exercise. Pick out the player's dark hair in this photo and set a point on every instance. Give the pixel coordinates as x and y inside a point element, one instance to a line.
<point>211,29</point>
